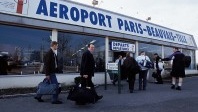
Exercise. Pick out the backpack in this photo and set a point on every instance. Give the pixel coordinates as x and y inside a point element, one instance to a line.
<point>131,64</point>
<point>136,68</point>
<point>187,61</point>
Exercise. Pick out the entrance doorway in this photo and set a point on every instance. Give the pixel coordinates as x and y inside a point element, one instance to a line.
<point>116,54</point>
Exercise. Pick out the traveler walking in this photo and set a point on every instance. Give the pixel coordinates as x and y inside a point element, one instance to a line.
<point>142,60</point>
<point>178,68</point>
<point>130,65</point>
<point>158,67</point>
<point>87,70</point>
<point>119,61</point>
<point>51,67</point>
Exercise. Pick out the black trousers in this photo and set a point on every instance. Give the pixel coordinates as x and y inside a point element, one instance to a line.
<point>159,77</point>
<point>131,80</point>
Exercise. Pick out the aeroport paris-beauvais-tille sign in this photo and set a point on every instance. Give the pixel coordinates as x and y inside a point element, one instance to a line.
<point>82,15</point>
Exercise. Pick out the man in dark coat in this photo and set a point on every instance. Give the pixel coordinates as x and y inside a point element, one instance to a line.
<point>51,67</point>
<point>87,69</point>
<point>178,67</point>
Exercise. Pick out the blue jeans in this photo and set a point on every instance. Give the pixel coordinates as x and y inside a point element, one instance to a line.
<point>53,80</point>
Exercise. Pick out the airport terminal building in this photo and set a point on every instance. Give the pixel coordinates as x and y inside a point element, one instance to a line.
<point>28,26</point>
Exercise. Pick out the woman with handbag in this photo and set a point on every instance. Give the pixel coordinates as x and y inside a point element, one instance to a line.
<point>129,65</point>
<point>143,61</point>
<point>158,67</point>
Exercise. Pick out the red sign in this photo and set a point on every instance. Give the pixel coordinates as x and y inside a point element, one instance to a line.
<point>20,6</point>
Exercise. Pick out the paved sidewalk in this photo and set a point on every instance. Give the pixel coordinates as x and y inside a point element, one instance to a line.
<point>157,98</point>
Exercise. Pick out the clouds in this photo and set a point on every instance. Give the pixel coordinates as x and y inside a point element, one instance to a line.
<point>179,15</point>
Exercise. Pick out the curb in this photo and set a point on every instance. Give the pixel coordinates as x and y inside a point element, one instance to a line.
<point>23,95</point>
<point>30,94</point>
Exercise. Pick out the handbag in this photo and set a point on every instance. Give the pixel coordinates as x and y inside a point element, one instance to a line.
<point>46,88</point>
<point>147,63</point>
<point>136,68</point>
<point>81,94</point>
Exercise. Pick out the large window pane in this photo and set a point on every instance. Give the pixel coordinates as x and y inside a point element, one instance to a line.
<point>24,48</point>
<point>168,51</point>
<point>71,48</point>
<point>150,50</point>
<point>192,55</point>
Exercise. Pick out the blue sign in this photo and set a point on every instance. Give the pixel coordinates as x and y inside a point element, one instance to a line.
<point>120,46</point>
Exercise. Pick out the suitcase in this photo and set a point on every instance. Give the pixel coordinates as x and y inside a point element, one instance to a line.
<point>46,88</point>
<point>81,95</point>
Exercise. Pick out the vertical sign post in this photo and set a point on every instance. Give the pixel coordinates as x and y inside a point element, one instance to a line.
<point>119,78</point>
<point>106,78</point>
<point>113,68</point>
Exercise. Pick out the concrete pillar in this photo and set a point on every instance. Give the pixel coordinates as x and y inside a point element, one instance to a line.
<point>136,49</point>
<point>163,51</point>
<point>106,50</point>
<point>54,36</point>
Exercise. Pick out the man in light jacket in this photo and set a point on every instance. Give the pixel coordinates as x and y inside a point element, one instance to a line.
<point>141,59</point>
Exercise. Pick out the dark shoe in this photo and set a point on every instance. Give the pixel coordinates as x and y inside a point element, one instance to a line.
<point>178,88</point>
<point>140,89</point>
<point>57,102</point>
<point>38,99</point>
<point>99,97</point>
<point>80,103</point>
<point>173,86</point>
<point>113,82</point>
<point>156,82</point>
<point>144,88</point>
<point>131,91</point>
<point>159,82</point>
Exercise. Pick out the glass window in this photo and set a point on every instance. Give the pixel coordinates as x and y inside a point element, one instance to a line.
<point>192,55</point>
<point>167,51</point>
<point>23,49</point>
<point>150,50</point>
<point>71,48</point>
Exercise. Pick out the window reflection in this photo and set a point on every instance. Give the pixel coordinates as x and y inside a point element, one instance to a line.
<point>168,51</point>
<point>192,55</point>
<point>150,50</point>
<point>71,48</point>
<point>24,48</point>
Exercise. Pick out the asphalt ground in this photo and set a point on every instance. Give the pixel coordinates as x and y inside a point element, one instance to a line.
<point>157,98</point>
